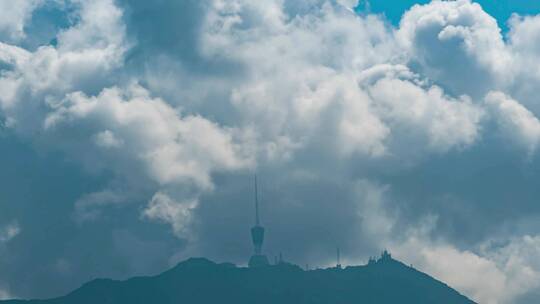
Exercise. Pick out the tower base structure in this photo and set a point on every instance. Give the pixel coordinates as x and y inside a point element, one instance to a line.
<point>258,260</point>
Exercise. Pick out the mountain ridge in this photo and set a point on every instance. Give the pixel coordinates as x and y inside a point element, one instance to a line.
<point>199,280</point>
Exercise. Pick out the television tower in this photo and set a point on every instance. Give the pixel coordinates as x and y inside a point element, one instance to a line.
<point>257,237</point>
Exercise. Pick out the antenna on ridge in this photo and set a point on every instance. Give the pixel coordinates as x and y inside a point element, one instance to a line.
<point>338,259</point>
<point>256,203</point>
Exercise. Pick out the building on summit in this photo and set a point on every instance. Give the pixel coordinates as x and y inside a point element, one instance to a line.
<point>385,257</point>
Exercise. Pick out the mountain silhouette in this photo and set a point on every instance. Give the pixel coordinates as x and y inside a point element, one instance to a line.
<point>199,280</point>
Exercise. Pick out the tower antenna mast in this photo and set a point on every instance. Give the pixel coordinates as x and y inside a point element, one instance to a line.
<point>338,258</point>
<point>257,222</point>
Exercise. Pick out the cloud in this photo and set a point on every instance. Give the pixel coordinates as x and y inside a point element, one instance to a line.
<point>61,92</point>
<point>517,257</point>
<point>178,214</point>
<point>377,223</point>
<point>107,139</point>
<point>5,295</point>
<point>515,121</point>
<point>457,45</point>
<point>493,275</point>
<point>9,231</point>
<point>426,115</point>
<point>87,207</point>
<point>169,148</point>
<point>308,89</point>
<point>13,17</point>
<point>93,46</point>
<point>319,87</point>
<point>498,270</point>
<point>523,30</point>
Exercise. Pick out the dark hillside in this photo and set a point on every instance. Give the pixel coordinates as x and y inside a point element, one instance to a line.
<point>202,281</point>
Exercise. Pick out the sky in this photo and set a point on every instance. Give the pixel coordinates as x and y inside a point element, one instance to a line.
<point>131,130</point>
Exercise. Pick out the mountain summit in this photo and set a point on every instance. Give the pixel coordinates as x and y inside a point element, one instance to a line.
<point>200,281</point>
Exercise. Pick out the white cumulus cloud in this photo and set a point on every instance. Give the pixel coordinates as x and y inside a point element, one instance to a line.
<point>13,17</point>
<point>515,121</point>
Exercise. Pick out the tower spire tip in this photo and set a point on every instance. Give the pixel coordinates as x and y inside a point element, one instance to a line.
<point>257,221</point>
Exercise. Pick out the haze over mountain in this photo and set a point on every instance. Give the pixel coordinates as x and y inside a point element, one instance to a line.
<point>200,281</point>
